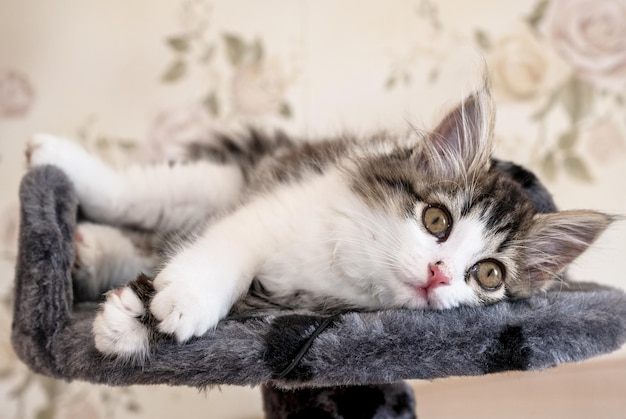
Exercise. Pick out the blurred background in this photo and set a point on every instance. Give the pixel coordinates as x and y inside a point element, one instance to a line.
<point>133,80</point>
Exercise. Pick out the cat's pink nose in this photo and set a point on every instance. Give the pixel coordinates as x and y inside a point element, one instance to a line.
<point>436,277</point>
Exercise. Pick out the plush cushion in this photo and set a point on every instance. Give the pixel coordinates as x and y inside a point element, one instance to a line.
<point>53,335</point>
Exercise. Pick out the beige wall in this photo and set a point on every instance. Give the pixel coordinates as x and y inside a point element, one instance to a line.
<point>130,78</point>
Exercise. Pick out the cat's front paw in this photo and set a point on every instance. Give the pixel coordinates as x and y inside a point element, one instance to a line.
<point>118,330</point>
<point>184,306</point>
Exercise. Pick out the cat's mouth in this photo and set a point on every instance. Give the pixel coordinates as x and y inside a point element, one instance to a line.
<point>421,295</point>
<point>420,291</point>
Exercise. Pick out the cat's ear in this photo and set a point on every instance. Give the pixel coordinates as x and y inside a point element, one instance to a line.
<point>462,142</point>
<point>556,239</point>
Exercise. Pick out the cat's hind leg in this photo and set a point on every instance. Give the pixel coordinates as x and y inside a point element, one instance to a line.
<point>159,197</point>
<point>107,257</point>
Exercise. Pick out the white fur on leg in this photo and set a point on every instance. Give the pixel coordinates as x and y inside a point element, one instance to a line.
<point>168,198</point>
<point>199,285</point>
<point>106,259</point>
<point>117,329</point>
<point>193,295</point>
<point>97,184</point>
<point>160,197</point>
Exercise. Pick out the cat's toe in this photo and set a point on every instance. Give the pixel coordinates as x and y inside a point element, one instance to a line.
<point>117,328</point>
<point>183,313</point>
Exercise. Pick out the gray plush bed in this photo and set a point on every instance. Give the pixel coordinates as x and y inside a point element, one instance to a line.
<point>340,366</point>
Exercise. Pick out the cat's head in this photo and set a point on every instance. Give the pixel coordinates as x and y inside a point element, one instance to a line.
<point>449,227</point>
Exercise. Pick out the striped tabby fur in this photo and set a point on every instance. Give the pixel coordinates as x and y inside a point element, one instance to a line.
<point>422,221</point>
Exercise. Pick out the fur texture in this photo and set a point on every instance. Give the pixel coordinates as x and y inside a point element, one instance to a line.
<point>390,221</point>
<point>52,333</point>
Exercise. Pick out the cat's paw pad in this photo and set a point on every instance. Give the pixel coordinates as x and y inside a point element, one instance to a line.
<point>117,328</point>
<point>184,309</point>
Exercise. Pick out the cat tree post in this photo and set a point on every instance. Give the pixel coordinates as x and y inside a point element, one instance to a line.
<point>389,401</point>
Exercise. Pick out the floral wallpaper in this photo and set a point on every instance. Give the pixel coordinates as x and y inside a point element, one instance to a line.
<point>16,94</point>
<point>135,81</point>
<point>256,83</point>
<point>562,58</point>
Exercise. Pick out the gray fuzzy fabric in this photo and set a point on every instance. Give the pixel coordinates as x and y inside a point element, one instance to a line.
<point>52,335</point>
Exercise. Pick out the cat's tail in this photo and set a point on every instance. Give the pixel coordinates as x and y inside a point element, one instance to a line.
<point>125,328</point>
<point>244,148</point>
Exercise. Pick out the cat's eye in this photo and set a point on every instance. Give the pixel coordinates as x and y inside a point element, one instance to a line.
<point>437,221</point>
<point>488,273</point>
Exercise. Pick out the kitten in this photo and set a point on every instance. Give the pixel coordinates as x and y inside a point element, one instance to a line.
<point>418,221</point>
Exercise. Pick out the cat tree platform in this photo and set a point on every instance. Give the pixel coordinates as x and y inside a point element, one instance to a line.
<point>340,366</point>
